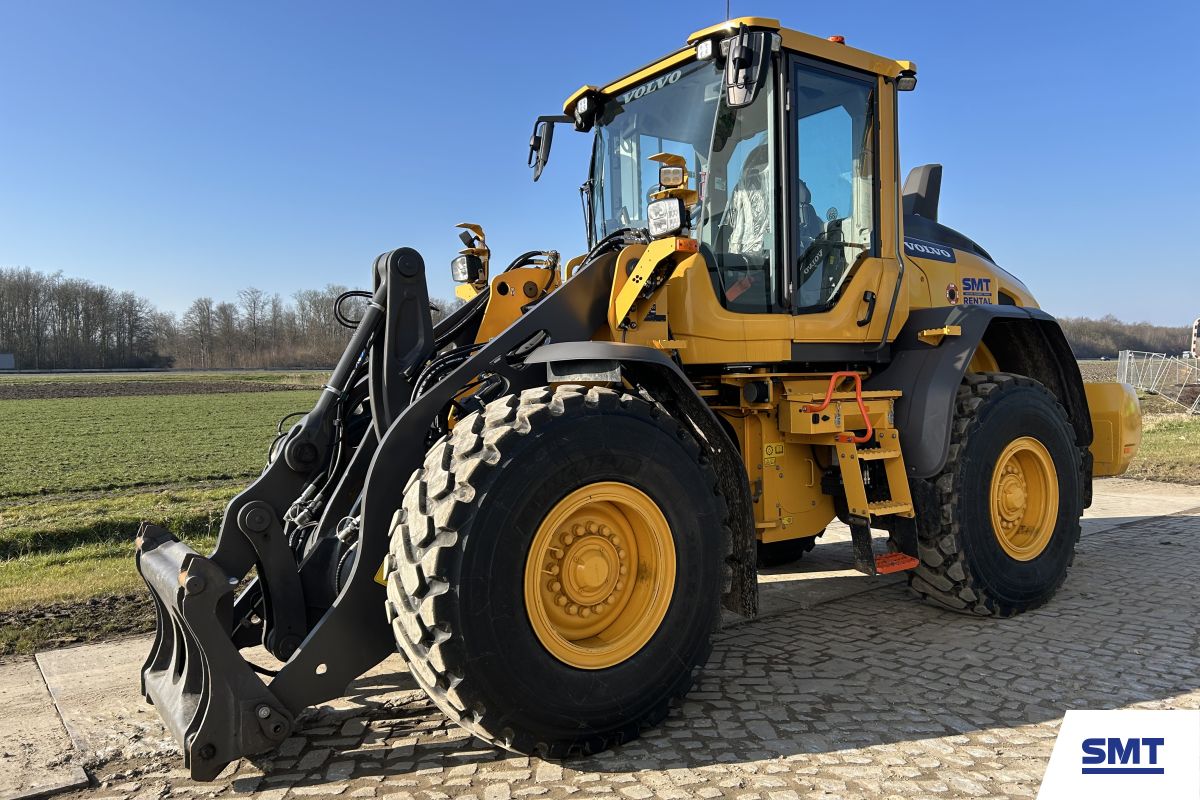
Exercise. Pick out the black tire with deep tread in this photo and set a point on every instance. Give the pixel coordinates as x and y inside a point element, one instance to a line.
<point>962,565</point>
<point>456,613</point>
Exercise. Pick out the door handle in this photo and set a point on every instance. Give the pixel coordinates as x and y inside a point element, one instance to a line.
<point>869,299</point>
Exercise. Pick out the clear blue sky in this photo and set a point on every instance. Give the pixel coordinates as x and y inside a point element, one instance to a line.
<point>180,149</point>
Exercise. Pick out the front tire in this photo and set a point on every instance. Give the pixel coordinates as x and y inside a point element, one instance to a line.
<point>555,571</point>
<point>997,528</point>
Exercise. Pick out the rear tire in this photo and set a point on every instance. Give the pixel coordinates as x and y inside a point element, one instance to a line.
<point>462,583</point>
<point>991,543</point>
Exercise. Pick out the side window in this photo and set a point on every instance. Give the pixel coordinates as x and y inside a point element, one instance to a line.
<point>833,214</point>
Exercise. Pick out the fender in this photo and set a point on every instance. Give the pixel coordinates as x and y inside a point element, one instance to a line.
<point>663,378</point>
<point>1027,341</point>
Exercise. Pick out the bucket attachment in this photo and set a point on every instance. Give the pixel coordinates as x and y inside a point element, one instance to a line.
<point>210,698</point>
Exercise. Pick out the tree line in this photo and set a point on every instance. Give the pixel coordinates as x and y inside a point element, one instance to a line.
<point>48,321</point>
<point>1107,336</point>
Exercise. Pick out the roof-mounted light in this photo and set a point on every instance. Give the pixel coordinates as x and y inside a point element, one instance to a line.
<point>906,81</point>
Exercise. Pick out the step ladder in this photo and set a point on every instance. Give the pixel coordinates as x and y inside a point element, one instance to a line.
<point>855,450</point>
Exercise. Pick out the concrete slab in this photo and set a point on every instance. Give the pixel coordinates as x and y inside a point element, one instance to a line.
<point>1119,501</point>
<point>35,751</point>
<point>97,693</point>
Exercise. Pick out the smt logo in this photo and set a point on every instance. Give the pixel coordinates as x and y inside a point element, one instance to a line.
<point>651,86</point>
<point>1137,756</point>
<point>919,248</point>
<point>977,291</point>
<point>1111,755</point>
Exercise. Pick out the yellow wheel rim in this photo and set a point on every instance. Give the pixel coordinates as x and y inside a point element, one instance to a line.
<point>982,360</point>
<point>600,575</point>
<point>1024,498</point>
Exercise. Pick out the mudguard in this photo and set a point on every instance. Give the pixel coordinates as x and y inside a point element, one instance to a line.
<point>1027,341</point>
<point>664,379</point>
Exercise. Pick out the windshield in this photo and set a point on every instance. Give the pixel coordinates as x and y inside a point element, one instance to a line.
<point>672,113</point>
<point>730,154</point>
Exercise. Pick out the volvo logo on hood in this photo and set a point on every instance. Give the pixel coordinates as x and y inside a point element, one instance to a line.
<point>651,86</point>
<point>919,248</point>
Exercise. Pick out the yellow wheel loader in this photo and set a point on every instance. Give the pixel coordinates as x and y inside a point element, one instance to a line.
<point>544,499</point>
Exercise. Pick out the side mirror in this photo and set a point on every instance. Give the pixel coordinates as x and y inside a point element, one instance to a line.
<point>540,141</point>
<point>746,66</point>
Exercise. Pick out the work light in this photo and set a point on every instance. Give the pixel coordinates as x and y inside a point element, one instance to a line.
<point>665,216</point>
<point>670,177</point>
<point>466,269</point>
<point>906,81</point>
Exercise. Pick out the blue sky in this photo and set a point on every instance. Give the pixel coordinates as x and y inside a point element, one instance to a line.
<point>180,149</point>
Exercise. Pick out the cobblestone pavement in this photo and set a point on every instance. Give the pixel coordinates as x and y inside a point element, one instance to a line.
<point>874,695</point>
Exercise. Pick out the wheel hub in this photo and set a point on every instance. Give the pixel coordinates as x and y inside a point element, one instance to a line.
<point>600,575</point>
<point>1024,498</point>
<point>587,569</point>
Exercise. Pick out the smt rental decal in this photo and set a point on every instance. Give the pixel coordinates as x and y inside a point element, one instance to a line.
<point>919,248</point>
<point>976,291</point>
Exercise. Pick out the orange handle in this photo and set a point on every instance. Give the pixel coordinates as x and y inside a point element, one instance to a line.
<point>858,397</point>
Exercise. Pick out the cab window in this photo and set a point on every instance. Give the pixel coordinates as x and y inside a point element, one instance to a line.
<point>832,182</point>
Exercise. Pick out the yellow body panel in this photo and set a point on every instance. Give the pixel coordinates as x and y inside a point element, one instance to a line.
<point>1116,426</point>
<point>785,479</point>
<point>971,279</point>
<point>510,292</point>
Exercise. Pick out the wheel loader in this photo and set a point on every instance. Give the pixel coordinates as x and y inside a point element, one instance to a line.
<point>545,499</point>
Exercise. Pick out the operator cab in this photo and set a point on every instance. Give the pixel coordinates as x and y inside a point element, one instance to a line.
<point>784,174</point>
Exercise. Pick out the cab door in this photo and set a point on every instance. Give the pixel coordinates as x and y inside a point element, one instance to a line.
<point>840,236</point>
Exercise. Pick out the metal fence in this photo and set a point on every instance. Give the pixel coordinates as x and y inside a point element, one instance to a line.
<point>1170,377</point>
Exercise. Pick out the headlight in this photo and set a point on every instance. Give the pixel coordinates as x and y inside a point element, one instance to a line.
<point>466,269</point>
<point>670,177</point>
<point>665,216</point>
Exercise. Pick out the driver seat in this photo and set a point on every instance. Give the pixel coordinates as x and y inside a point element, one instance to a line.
<point>808,224</point>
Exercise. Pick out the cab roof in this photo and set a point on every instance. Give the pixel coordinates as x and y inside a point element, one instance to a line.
<point>797,41</point>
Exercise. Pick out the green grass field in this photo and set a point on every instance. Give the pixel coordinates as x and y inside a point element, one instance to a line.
<point>94,444</point>
<point>81,473</point>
